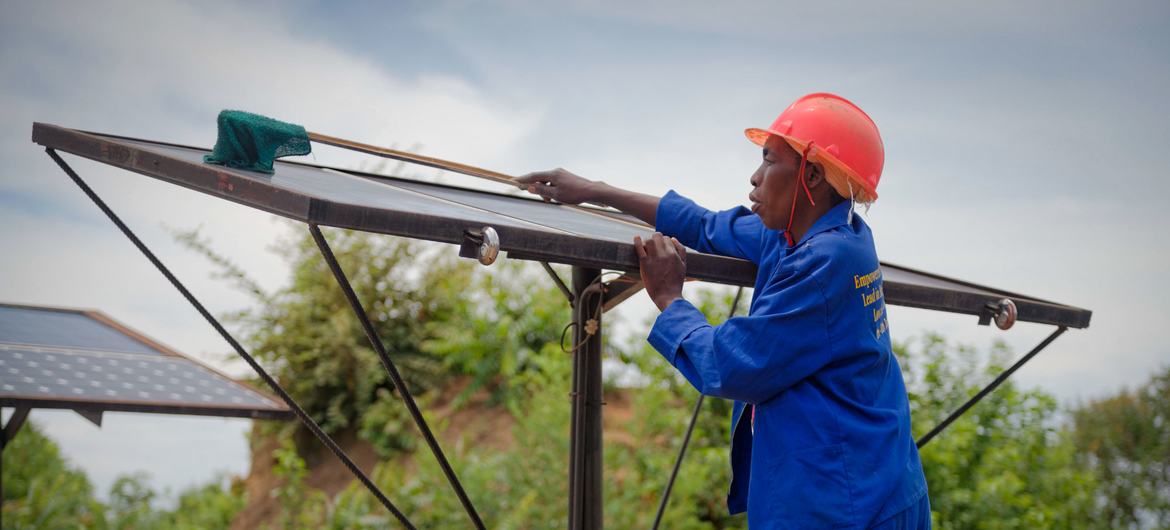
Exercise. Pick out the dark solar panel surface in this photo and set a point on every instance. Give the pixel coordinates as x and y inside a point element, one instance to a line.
<point>60,355</point>
<point>21,325</point>
<point>51,373</point>
<point>594,225</point>
<point>429,199</point>
<point>528,229</point>
<point>898,275</point>
<point>337,186</point>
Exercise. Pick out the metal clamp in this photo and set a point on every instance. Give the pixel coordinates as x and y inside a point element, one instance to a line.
<point>483,245</point>
<point>1003,312</point>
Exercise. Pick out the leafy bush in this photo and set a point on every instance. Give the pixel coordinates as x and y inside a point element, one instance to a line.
<point>1125,440</point>
<point>41,491</point>
<point>1007,462</point>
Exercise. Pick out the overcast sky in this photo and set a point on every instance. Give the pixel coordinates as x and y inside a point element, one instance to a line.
<point>1025,148</point>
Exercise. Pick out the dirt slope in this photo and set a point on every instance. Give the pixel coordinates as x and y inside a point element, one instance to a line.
<point>475,422</point>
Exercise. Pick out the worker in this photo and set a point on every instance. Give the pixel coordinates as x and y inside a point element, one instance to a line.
<point>820,434</point>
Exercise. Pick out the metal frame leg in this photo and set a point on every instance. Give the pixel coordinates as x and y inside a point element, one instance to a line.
<point>585,453</point>
<point>275,386</point>
<point>395,377</point>
<point>992,386</point>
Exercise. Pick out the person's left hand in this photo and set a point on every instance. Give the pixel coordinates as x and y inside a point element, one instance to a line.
<point>664,268</point>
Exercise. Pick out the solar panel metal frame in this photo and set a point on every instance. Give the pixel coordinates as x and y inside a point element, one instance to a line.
<point>910,287</point>
<point>278,411</point>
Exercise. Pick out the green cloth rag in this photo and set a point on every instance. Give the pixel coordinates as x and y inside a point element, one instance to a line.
<point>251,141</point>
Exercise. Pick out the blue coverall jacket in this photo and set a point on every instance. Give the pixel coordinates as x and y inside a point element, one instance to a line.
<point>830,445</point>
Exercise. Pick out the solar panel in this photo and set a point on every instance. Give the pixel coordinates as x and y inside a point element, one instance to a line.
<point>23,325</point>
<point>528,228</point>
<point>353,189</point>
<point>57,358</point>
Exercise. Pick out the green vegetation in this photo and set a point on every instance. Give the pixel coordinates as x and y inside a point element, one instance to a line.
<point>1126,440</point>
<point>459,332</point>
<point>1006,463</point>
<point>41,491</point>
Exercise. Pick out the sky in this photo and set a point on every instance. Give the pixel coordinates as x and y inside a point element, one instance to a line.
<point>1025,150</point>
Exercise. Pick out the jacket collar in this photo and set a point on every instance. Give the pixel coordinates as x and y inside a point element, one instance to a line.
<point>837,216</point>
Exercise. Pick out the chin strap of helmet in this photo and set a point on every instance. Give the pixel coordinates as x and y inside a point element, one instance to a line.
<point>800,179</point>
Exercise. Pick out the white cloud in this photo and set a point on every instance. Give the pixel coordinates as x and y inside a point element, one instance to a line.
<point>162,71</point>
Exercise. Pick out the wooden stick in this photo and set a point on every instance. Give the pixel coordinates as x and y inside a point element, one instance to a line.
<point>429,161</point>
<point>448,165</point>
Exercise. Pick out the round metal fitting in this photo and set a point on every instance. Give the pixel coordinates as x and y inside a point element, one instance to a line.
<point>1005,314</point>
<point>490,248</point>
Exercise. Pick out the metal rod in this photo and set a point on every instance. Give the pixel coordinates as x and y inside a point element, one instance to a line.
<point>15,422</point>
<point>682,451</point>
<point>987,389</point>
<point>395,376</point>
<point>585,458</point>
<point>557,280</point>
<point>292,404</point>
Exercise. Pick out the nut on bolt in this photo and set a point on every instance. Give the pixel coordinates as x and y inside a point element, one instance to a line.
<point>489,249</point>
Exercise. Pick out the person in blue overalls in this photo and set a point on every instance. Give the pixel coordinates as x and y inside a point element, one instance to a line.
<point>820,432</point>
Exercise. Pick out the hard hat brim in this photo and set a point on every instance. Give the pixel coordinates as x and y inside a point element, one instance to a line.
<point>838,171</point>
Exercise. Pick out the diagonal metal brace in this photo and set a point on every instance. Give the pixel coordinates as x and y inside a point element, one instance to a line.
<point>682,451</point>
<point>990,387</point>
<point>619,290</point>
<point>15,422</point>
<point>556,278</point>
<point>272,383</point>
<point>395,377</point>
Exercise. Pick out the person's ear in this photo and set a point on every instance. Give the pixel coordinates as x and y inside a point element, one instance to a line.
<point>814,174</point>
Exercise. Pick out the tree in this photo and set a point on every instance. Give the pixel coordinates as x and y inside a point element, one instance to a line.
<point>308,338</point>
<point>1007,463</point>
<point>41,491</point>
<point>1125,440</point>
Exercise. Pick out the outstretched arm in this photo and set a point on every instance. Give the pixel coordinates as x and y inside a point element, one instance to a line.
<point>735,232</point>
<point>562,186</point>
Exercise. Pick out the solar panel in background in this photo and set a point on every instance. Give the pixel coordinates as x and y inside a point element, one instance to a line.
<point>65,329</point>
<point>58,358</point>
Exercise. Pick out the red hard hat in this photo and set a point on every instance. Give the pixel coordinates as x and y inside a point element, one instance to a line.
<point>844,139</point>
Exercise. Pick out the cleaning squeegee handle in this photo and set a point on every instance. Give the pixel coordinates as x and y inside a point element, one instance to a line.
<point>429,161</point>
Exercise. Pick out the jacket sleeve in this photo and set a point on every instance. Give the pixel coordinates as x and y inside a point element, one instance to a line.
<point>752,358</point>
<point>736,232</point>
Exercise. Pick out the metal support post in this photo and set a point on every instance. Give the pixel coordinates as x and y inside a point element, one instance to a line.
<point>585,456</point>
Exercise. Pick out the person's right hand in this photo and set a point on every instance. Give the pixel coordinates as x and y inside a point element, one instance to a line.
<point>558,185</point>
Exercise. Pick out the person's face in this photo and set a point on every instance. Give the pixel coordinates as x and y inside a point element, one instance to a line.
<point>774,183</point>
